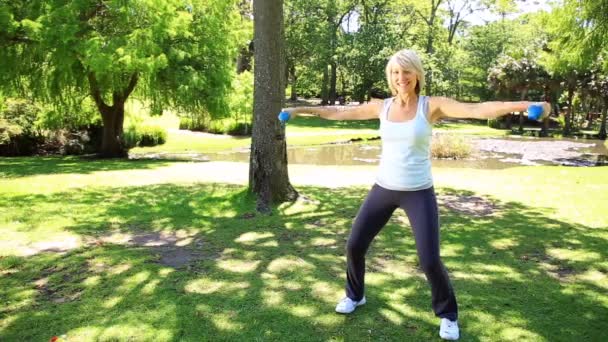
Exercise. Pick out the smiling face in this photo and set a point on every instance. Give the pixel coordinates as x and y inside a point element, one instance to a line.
<point>403,80</point>
<point>404,73</point>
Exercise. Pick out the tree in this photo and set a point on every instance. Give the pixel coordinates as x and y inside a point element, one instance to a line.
<point>430,19</point>
<point>167,53</point>
<point>268,176</point>
<point>517,76</point>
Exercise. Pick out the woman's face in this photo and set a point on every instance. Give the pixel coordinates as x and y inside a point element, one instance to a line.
<point>404,80</point>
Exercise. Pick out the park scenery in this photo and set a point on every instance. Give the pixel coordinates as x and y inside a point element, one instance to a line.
<point>149,192</point>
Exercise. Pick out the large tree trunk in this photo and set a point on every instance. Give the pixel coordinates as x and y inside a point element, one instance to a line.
<point>268,176</point>
<point>522,117</point>
<point>602,134</point>
<point>544,130</point>
<point>325,87</point>
<point>112,144</point>
<point>294,82</point>
<point>333,78</point>
<point>569,113</point>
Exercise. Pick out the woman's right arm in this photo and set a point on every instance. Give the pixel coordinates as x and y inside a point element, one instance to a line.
<point>366,111</point>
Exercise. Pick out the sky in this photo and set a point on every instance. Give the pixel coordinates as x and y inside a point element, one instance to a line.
<point>528,6</point>
<point>478,18</point>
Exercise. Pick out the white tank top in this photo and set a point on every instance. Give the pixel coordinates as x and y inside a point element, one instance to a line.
<point>405,163</point>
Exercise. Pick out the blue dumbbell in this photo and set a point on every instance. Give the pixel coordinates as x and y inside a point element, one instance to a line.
<point>535,111</point>
<point>284,117</point>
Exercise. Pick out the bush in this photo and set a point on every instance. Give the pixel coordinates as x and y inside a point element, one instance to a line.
<point>22,113</point>
<point>445,146</point>
<point>144,135</point>
<point>8,131</point>
<point>495,123</point>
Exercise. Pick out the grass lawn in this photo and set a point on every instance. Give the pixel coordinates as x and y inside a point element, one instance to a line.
<point>151,250</point>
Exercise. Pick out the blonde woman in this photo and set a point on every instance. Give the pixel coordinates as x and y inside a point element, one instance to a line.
<point>404,177</point>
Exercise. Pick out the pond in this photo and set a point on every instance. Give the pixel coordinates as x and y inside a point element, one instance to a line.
<point>488,153</point>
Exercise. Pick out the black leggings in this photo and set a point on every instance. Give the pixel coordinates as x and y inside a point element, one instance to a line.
<point>421,209</point>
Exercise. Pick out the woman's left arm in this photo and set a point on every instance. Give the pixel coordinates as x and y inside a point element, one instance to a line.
<point>443,107</point>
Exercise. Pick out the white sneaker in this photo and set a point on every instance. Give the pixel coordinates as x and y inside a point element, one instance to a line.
<point>449,330</point>
<point>348,305</point>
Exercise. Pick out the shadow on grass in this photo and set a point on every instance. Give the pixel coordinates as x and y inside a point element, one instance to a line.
<point>14,167</point>
<point>278,277</point>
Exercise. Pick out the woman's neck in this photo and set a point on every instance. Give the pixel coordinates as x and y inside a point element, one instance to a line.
<point>406,99</point>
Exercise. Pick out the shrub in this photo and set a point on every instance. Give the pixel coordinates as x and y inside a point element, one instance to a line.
<point>495,123</point>
<point>22,113</point>
<point>449,146</point>
<point>8,131</point>
<point>144,135</point>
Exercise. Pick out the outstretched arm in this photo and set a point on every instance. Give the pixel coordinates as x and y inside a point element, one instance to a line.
<point>362,112</point>
<point>443,107</point>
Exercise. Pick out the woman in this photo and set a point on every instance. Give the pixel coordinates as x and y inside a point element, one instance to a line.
<point>404,177</point>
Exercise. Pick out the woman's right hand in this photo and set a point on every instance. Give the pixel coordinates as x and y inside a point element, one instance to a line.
<point>287,114</point>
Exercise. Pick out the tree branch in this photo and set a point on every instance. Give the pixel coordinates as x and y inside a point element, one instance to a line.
<point>96,92</point>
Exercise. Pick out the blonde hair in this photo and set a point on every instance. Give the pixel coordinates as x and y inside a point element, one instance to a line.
<point>406,59</point>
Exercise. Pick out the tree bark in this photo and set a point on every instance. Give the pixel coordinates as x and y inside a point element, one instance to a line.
<point>112,144</point>
<point>294,83</point>
<point>522,117</point>
<point>333,78</point>
<point>602,134</point>
<point>569,113</point>
<point>325,87</point>
<point>268,176</point>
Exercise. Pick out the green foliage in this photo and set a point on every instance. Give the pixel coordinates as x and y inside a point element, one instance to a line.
<point>23,114</point>
<point>144,135</point>
<point>511,75</point>
<point>57,118</point>
<point>241,98</point>
<point>180,54</point>
<point>495,123</point>
<point>8,131</point>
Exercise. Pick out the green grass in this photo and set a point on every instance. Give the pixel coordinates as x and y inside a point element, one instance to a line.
<point>536,269</point>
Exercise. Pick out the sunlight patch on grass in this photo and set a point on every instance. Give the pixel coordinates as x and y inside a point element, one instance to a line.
<point>392,316</point>
<point>478,277</point>
<point>272,297</point>
<point>225,321</point>
<point>150,287</point>
<point>289,264</point>
<point>322,241</point>
<point>574,254</point>
<point>251,238</point>
<point>92,281</point>
<point>238,266</point>
<point>133,281</point>
<point>208,286</point>
<point>488,272</point>
<point>595,277</point>
<point>518,334</point>
<point>325,290</point>
<point>452,250</point>
<point>504,243</point>
<point>131,331</point>
<point>303,311</point>
<point>111,302</point>
<point>119,269</point>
